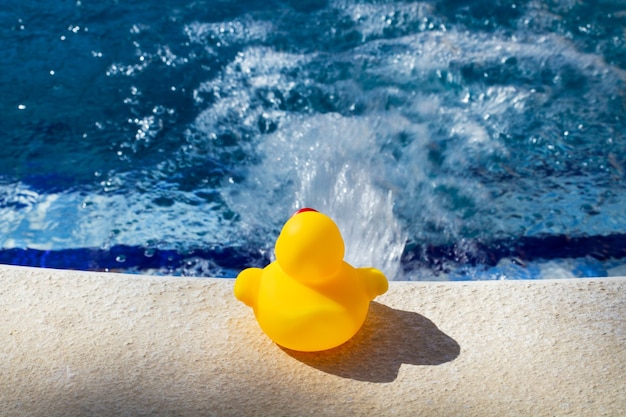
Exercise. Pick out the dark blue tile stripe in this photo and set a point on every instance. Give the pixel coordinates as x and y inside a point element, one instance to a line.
<point>231,260</point>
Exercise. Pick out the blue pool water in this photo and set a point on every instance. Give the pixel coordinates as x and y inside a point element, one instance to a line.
<point>449,139</point>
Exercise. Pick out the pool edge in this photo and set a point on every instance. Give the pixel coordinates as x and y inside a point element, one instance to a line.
<point>86,343</point>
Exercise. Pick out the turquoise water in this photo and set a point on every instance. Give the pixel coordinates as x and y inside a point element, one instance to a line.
<point>449,139</point>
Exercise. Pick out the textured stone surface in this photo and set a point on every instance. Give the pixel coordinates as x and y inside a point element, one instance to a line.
<point>80,344</point>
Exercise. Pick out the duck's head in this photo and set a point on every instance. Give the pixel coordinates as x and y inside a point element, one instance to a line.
<point>310,247</point>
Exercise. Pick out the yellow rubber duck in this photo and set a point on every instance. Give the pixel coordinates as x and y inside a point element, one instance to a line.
<point>309,299</point>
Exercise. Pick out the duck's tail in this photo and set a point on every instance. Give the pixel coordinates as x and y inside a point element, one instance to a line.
<point>375,281</point>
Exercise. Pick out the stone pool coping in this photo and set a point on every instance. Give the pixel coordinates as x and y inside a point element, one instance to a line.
<point>82,343</point>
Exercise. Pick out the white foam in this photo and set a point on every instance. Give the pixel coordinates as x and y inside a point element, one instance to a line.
<point>372,20</point>
<point>326,162</point>
<point>226,33</point>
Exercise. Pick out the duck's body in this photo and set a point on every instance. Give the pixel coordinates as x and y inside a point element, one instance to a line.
<point>305,317</point>
<point>306,311</point>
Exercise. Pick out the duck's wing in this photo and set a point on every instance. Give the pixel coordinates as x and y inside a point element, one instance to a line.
<point>374,280</point>
<point>247,286</point>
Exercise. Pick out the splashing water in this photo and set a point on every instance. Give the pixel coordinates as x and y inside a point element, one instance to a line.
<point>447,139</point>
<point>311,163</point>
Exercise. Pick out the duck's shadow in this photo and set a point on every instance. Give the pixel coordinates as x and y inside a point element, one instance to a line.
<point>388,338</point>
